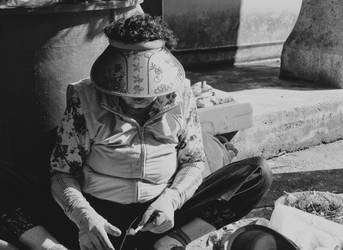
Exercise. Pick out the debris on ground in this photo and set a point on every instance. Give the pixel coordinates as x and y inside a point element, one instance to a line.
<point>206,96</point>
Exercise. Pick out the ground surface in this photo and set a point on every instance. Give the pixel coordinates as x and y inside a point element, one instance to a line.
<point>248,76</point>
<point>316,168</point>
<point>321,157</point>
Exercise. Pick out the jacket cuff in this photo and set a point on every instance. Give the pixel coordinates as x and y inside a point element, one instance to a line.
<point>173,196</point>
<point>67,193</point>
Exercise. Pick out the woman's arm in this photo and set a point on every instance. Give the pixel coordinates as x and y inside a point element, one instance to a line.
<point>68,156</point>
<point>191,155</point>
<point>66,164</point>
<point>191,158</point>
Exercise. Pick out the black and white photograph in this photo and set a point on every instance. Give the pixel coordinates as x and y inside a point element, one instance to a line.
<point>171,125</point>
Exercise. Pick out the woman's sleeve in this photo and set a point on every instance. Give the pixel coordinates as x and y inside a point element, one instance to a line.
<point>191,156</point>
<point>72,144</point>
<point>67,158</point>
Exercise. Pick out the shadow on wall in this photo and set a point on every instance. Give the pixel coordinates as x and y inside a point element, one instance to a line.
<point>230,31</point>
<point>204,25</point>
<point>40,54</point>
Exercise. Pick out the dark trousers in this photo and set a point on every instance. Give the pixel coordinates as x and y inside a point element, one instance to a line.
<point>224,196</point>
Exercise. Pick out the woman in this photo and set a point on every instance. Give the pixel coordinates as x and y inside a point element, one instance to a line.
<point>130,152</point>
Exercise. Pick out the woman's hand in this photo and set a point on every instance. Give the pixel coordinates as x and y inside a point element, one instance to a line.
<point>159,217</point>
<point>93,230</point>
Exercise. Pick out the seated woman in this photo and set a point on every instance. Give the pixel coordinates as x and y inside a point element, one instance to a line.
<point>130,152</point>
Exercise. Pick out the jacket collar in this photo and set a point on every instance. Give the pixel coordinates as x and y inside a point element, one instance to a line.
<point>161,104</point>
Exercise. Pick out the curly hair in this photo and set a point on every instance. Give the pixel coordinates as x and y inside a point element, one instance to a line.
<point>141,28</point>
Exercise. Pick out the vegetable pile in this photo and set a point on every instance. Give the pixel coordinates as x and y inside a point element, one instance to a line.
<point>324,204</point>
<point>141,28</point>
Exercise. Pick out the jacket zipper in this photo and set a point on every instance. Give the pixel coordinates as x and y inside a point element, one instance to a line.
<point>141,134</point>
<point>143,148</point>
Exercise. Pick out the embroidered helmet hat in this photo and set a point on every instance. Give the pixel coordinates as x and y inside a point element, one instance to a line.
<point>145,69</point>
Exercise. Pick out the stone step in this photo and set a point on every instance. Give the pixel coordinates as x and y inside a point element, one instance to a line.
<point>287,115</point>
<point>289,120</point>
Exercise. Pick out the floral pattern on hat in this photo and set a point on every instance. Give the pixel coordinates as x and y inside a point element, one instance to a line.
<point>136,73</point>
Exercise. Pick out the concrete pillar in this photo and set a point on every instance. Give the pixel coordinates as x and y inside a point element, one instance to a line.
<point>314,49</point>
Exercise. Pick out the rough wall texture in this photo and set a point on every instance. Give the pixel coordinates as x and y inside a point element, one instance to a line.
<point>313,51</point>
<point>241,26</point>
<point>289,131</point>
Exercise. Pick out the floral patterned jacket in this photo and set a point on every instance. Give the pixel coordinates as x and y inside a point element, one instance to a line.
<point>83,143</point>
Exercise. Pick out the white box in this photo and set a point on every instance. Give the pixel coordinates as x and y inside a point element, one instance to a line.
<point>225,118</point>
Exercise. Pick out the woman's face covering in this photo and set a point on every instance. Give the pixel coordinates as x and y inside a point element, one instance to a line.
<point>138,103</point>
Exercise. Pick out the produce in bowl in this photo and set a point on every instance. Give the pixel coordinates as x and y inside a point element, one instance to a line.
<point>324,204</point>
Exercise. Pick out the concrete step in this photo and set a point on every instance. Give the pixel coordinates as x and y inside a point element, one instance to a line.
<point>289,120</point>
<point>287,115</point>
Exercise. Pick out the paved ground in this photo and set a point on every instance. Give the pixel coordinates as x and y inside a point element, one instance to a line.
<point>248,76</point>
<point>321,157</point>
<point>289,170</point>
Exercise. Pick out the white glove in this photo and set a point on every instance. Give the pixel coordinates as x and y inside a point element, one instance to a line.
<point>162,210</point>
<point>93,230</point>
